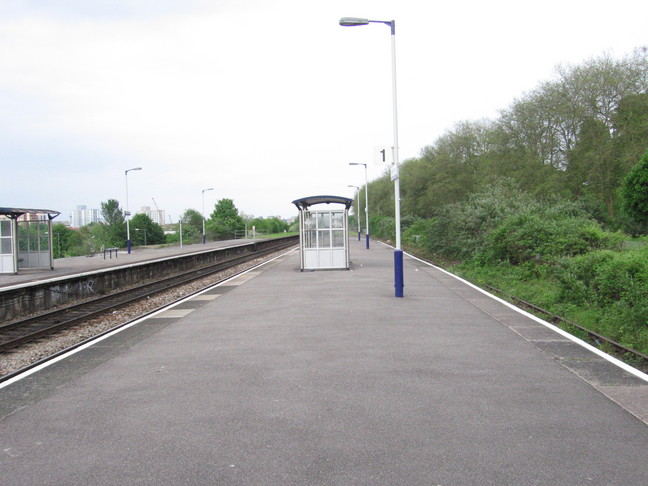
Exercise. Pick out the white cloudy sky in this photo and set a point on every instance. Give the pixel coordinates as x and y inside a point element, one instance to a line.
<point>265,101</point>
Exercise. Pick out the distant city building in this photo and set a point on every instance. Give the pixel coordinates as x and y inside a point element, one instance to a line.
<point>156,215</point>
<point>82,216</point>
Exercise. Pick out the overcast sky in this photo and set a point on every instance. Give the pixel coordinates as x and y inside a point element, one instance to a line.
<point>265,101</point>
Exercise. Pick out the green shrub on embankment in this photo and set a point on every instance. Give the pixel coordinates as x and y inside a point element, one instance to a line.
<point>551,253</point>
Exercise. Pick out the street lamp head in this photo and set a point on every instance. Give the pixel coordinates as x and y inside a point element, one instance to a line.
<point>353,21</point>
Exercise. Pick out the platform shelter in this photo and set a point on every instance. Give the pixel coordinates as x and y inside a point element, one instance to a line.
<point>324,232</point>
<point>26,239</point>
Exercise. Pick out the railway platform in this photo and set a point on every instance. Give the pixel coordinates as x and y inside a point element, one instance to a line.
<point>64,267</point>
<point>284,377</point>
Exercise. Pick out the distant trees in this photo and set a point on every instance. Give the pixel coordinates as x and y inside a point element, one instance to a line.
<point>575,137</point>
<point>635,191</point>
<point>225,220</point>
<point>267,225</point>
<point>111,213</point>
<point>112,232</point>
<point>144,231</point>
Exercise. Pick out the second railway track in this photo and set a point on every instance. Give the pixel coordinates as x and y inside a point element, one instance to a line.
<point>26,330</point>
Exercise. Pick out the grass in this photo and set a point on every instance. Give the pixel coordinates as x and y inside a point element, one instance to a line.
<point>538,285</point>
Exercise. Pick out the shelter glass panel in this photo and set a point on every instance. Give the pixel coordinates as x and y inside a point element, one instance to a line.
<point>309,220</point>
<point>338,238</point>
<point>310,239</point>
<point>324,239</point>
<point>6,245</point>
<point>337,219</point>
<point>5,227</point>
<point>324,221</point>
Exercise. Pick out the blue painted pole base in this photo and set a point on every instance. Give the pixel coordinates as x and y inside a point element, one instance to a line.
<point>128,246</point>
<point>399,282</point>
<point>367,241</point>
<point>358,236</point>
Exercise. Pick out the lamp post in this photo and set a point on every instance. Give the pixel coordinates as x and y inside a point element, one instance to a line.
<point>366,201</point>
<point>358,211</point>
<point>144,230</point>
<point>128,240</point>
<point>203,212</point>
<point>398,252</point>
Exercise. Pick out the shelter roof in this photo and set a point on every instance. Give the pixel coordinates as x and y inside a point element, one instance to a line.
<point>15,213</point>
<point>306,202</point>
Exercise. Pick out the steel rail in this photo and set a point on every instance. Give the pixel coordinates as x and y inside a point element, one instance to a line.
<point>623,352</point>
<point>26,330</point>
<point>555,320</point>
<point>68,349</point>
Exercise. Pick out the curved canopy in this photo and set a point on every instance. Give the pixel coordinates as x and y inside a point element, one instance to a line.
<point>306,202</point>
<point>15,213</point>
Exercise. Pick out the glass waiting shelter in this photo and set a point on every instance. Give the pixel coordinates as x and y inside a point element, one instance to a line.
<point>324,232</point>
<point>26,239</point>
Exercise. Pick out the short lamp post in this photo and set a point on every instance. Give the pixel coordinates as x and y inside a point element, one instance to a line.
<point>366,201</point>
<point>144,230</point>
<point>398,252</point>
<point>128,240</point>
<point>358,211</point>
<point>203,213</point>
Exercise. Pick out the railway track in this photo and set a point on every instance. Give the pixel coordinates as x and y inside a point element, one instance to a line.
<point>35,327</point>
<point>623,353</point>
<point>634,357</point>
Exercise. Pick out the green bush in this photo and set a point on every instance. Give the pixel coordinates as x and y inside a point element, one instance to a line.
<point>616,283</point>
<point>546,237</point>
<point>382,227</point>
<point>418,233</point>
<point>623,278</point>
<point>576,276</point>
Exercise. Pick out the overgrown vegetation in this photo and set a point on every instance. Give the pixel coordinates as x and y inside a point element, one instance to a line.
<point>548,202</point>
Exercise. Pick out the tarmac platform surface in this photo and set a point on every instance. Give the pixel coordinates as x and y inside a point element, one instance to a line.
<point>282,377</point>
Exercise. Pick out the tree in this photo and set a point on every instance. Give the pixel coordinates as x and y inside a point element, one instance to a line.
<point>144,231</point>
<point>113,233</point>
<point>192,218</point>
<point>631,130</point>
<point>635,191</point>
<point>62,239</point>
<point>111,213</point>
<point>225,220</point>
<point>267,225</point>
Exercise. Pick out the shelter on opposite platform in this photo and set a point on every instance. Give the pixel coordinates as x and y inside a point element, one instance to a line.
<point>26,243</point>
<point>324,232</point>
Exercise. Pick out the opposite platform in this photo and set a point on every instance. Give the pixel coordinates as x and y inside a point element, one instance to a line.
<point>64,267</point>
<point>291,378</point>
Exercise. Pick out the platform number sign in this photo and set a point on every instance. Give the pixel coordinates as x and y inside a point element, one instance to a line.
<point>383,155</point>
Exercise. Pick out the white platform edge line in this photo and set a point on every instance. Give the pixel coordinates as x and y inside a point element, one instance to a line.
<point>123,328</point>
<point>639,374</point>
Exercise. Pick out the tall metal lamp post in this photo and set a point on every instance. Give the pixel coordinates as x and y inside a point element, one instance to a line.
<point>358,211</point>
<point>203,212</point>
<point>366,200</point>
<point>128,240</point>
<point>398,252</point>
